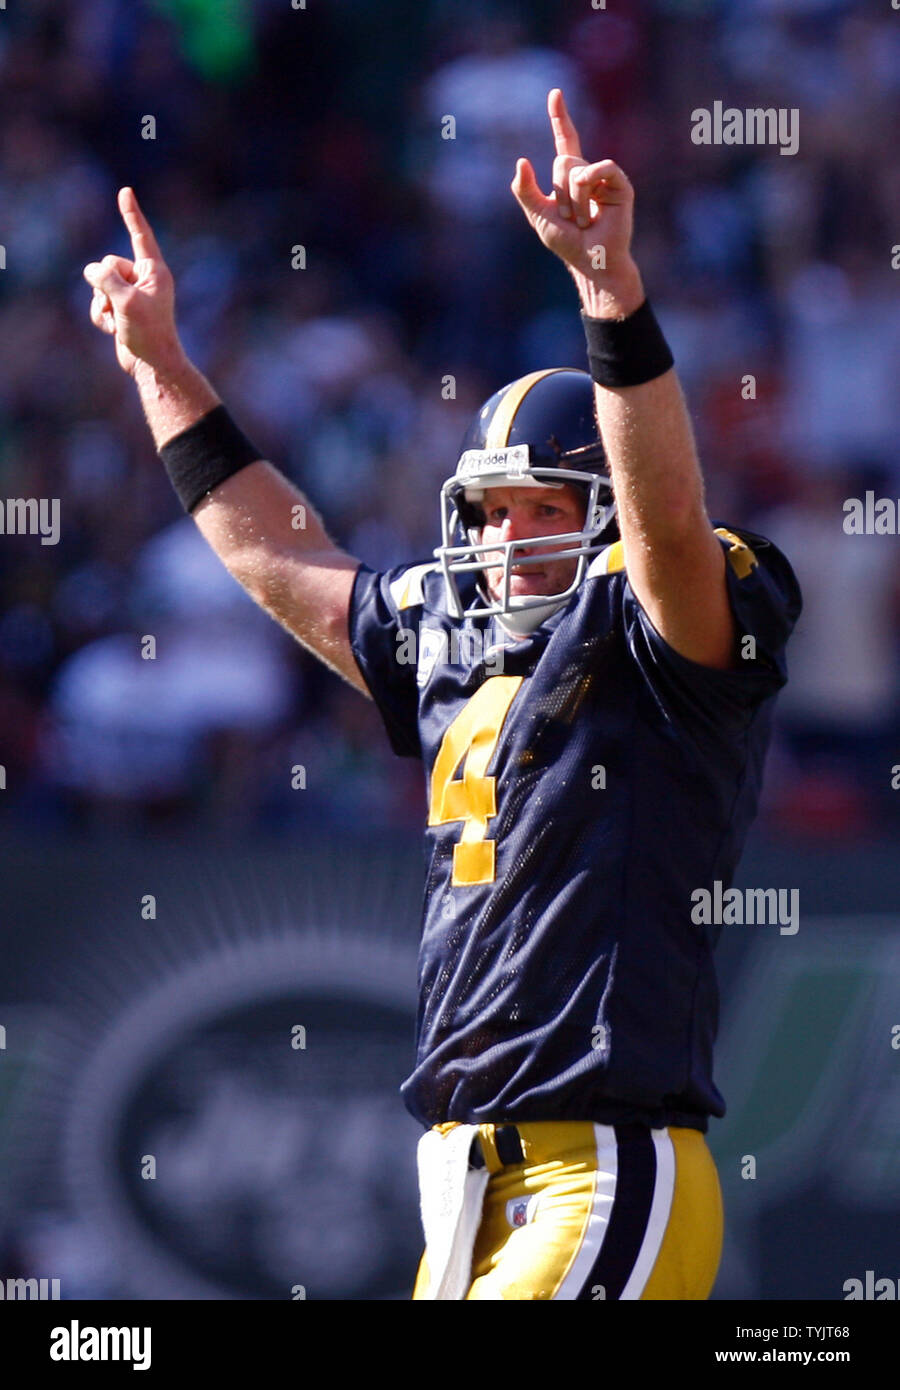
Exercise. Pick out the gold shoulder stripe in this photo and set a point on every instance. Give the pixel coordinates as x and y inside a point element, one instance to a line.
<point>407,590</point>
<point>615,557</point>
<point>742,558</point>
<point>609,561</point>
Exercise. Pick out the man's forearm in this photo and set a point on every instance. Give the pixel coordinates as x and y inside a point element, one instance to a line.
<point>174,397</point>
<point>262,527</point>
<point>608,297</point>
<point>646,432</point>
<point>258,507</point>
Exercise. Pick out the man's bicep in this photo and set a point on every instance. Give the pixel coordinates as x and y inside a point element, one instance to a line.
<point>316,609</point>
<point>271,540</point>
<point>332,588</point>
<point>682,588</point>
<point>764,601</point>
<point>309,593</point>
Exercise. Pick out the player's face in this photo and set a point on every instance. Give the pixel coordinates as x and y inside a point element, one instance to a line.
<point>514,513</point>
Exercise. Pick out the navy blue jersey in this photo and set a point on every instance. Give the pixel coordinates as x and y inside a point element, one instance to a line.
<point>581,784</point>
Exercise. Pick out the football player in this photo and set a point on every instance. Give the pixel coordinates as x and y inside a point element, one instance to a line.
<point>587,669</point>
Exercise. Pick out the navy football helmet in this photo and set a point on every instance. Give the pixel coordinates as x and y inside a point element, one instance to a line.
<point>539,431</point>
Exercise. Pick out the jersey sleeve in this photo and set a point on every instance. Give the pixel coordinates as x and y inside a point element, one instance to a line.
<point>384,627</point>
<point>765,600</point>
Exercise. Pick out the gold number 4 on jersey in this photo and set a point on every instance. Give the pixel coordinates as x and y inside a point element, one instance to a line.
<point>471,798</point>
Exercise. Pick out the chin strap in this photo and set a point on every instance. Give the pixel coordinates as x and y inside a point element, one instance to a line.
<point>521,622</point>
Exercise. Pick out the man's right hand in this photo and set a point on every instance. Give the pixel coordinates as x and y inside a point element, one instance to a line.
<point>297,574</point>
<point>134,301</point>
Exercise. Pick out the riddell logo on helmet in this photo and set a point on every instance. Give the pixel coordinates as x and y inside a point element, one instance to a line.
<point>513,460</point>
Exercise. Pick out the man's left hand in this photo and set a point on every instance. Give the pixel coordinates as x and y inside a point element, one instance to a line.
<point>587,220</point>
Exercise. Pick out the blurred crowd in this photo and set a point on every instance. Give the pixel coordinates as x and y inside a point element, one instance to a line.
<point>323,129</point>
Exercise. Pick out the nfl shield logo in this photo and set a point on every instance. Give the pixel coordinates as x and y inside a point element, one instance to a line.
<point>517,1211</point>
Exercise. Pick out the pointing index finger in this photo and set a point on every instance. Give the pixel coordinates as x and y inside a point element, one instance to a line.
<point>564,133</point>
<point>143,241</point>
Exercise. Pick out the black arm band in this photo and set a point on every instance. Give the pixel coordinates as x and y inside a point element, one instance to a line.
<point>203,456</point>
<point>626,352</point>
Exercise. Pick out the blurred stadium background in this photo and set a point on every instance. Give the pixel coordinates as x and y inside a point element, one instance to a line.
<point>278,908</point>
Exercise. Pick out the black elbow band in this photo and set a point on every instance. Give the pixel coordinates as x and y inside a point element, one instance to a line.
<point>627,352</point>
<point>203,456</point>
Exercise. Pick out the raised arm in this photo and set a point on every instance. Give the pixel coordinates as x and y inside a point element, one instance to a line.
<point>675,563</point>
<point>262,527</point>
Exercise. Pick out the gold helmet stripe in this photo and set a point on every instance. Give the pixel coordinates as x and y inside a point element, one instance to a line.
<point>505,414</point>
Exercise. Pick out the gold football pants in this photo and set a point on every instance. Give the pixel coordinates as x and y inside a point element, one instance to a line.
<point>595,1212</point>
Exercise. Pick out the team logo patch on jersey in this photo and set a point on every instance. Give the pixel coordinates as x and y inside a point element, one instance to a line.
<point>520,1210</point>
<point>432,647</point>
